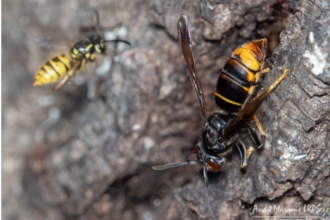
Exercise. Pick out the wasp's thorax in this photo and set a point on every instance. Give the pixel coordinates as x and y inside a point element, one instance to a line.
<point>88,47</point>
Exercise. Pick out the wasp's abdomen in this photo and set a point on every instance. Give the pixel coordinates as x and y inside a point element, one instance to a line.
<point>238,75</point>
<point>52,70</point>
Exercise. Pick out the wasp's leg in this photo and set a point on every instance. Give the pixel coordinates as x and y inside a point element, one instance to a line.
<point>60,84</point>
<point>77,71</point>
<point>94,57</point>
<point>72,77</point>
<point>67,76</point>
<point>244,153</point>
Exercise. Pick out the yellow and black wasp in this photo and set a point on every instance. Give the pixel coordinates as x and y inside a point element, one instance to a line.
<point>65,68</point>
<point>236,95</point>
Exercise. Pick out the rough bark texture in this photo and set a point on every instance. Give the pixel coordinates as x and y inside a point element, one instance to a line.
<point>86,151</point>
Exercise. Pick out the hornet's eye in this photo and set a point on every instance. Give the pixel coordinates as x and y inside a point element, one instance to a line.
<point>213,165</point>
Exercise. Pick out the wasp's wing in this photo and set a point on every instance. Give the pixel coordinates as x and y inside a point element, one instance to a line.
<point>186,48</point>
<point>253,106</point>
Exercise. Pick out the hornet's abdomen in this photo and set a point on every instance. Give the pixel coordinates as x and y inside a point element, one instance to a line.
<point>238,75</point>
<point>52,70</point>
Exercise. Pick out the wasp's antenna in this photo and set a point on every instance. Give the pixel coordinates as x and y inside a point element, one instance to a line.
<point>117,40</point>
<point>176,164</point>
<point>207,192</point>
<point>97,21</point>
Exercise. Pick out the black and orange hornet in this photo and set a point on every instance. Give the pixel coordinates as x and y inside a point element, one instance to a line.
<point>236,96</point>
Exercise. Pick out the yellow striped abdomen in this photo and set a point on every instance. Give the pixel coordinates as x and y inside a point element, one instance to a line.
<point>53,70</point>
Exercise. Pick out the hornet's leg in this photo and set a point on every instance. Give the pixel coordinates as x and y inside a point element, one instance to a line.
<point>260,76</point>
<point>254,136</point>
<point>261,131</point>
<point>244,153</point>
<point>252,91</point>
<point>257,102</point>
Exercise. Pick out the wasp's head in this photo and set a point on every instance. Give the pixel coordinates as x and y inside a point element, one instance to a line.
<point>98,43</point>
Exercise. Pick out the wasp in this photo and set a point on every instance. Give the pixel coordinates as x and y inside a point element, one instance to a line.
<point>67,67</point>
<point>236,96</point>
